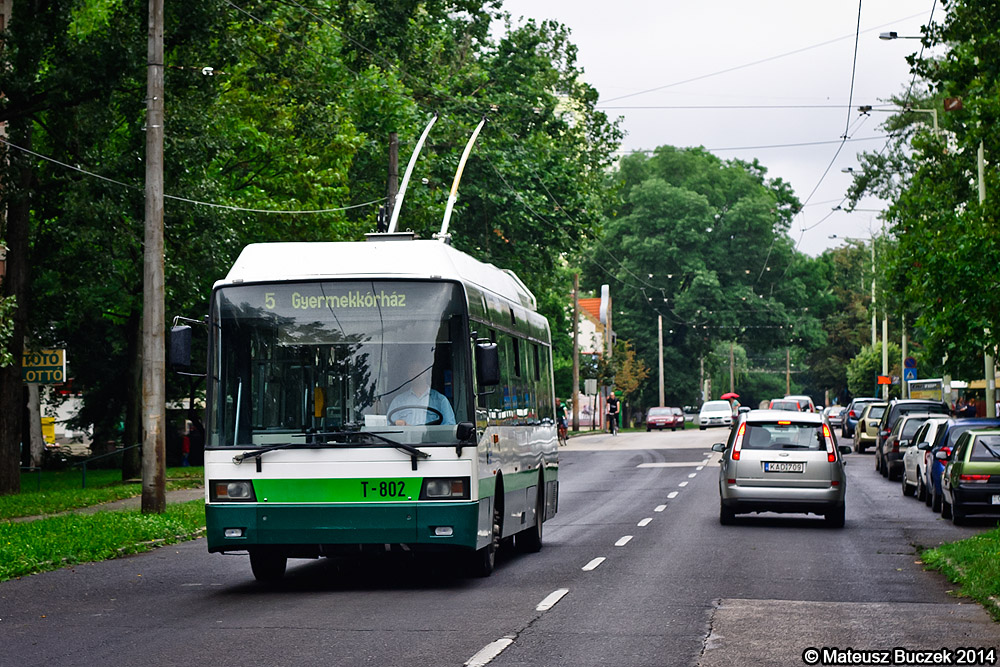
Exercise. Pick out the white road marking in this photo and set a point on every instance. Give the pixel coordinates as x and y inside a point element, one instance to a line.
<point>488,652</point>
<point>701,467</point>
<point>672,495</point>
<point>551,600</point>
<point>660,508</point>
<point>692,475</point>
<point>683,484</point>
<point>644,522</point>
<point>592,565</point>
<point>623,541</point>
<point>675,464</point>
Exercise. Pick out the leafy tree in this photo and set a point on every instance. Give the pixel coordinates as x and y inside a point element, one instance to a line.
<point>863,371</point>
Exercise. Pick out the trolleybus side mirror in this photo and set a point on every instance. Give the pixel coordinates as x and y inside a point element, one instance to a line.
<point>487,365</point>
<point>180,346</point>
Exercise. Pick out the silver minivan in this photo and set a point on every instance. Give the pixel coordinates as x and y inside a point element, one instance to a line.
<point>782,461</point>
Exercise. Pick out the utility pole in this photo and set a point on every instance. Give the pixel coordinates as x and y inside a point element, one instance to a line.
<point>576,351</point>
<point>788,371</point>
<point>905,389</point>
<point>885,351</point>
<point>988,361</point>
<point>659,319</point>
<point>153,317</point>
<point>874,339</point>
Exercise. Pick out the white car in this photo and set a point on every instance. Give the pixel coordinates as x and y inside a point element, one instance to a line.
<point>917,460</point>
<point>715,413</point>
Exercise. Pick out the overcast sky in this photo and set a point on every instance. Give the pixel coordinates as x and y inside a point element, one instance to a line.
<point>643,57</point>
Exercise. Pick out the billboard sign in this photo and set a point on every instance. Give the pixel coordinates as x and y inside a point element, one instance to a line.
<point>44,367</point>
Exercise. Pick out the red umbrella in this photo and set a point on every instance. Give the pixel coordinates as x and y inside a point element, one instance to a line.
<point>729,395</point>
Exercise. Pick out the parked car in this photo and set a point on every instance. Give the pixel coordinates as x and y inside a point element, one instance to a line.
<point>852,414</point>
<point>784,404</point>
<point>781,461</point>
<point>715,413</point>
<point>805,402</point>
<point>917,459</point>
<point>834,416</point>
<point>945,440</point>
<point>889,456</point>
<point>971,480</point>
<point>867,429</point>
<point>661,418</point>
<point>899,407</point>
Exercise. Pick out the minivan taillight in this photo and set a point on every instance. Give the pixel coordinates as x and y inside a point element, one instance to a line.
<point>739,441</point>
<point>831,454</point>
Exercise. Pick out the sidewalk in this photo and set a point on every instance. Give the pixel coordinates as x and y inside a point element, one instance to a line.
<point>134,503</point>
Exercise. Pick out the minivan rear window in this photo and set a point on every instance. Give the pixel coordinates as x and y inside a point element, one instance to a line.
<point>776,435</point>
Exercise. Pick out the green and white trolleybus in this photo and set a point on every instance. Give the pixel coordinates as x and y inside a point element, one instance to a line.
<point>390,394</point>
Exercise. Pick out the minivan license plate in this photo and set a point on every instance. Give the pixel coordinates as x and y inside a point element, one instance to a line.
<point>996,500</point>
<point>782,466</point>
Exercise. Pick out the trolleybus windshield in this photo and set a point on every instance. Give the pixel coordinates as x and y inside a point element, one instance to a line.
<point>293,359</point>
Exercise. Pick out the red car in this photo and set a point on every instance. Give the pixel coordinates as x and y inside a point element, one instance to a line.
<point>661,418</point>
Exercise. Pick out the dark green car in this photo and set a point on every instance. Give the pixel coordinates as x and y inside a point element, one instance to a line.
<point>971,480</point>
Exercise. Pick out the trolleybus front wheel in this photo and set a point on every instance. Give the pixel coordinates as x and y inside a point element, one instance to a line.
<point>267,565</point>
<point>484,560</point>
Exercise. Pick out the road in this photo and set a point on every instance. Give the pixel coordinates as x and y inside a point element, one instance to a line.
<point>636,570</point>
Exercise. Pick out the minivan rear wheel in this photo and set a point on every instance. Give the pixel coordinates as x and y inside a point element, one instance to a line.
<point>835,518</point>
<point>727,516</point>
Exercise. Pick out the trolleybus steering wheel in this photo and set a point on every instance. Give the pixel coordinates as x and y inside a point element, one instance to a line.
<point>437,416</point>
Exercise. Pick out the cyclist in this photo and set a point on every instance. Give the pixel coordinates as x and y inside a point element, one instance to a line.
<point>613,408</point>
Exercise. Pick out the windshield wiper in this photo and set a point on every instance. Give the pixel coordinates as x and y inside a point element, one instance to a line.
<point>992,451</point>
<point>376,435</point>
<point>347,435</point>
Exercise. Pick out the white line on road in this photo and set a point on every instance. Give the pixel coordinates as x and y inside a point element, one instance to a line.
<point>551,600</point>
<point>692,475</point>
<point>660,508</point>
<point>700,468</point>
<point>644,522</point>
<point>683,484</point>
<point>592,565</point>
<point>672,495</point>
<point>488,652</point>
<point>675,464</point>
<point>623,541</point>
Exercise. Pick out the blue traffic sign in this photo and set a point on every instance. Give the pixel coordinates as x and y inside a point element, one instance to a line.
<point>909,374</point>
<point>910,362</point>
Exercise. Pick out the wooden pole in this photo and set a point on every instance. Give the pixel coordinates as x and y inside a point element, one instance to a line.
<point>153,317</point>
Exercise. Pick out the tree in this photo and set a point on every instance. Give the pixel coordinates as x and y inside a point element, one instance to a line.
<point>863,371</point>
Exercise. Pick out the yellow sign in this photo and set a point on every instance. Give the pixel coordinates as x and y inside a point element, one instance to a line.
<point>44,367</point>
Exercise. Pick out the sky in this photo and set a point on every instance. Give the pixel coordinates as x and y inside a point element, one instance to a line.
<point>646,59</point>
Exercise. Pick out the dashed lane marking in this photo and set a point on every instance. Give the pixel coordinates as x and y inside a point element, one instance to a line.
<point>551,599</point>
<point>592,565</point>
<point>683,484</point>
<point>623,541</point>
<point>672,495</point>
<point>644,522</point>
<point>488,652</point>
<point>660,508</point>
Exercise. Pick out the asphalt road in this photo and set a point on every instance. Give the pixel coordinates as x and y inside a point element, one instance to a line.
<point>636,570</point>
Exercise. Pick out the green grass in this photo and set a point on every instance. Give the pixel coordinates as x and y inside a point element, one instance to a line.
<point>973,564</point>
<point>49,544</point>
<point>61,490</point>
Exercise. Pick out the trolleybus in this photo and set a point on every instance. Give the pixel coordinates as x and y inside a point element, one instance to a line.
<point>363,396</point>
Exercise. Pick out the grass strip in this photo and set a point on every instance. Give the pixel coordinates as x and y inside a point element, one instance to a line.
<point>52,543</point>
<point>61,490</point>
<point>973,564</point>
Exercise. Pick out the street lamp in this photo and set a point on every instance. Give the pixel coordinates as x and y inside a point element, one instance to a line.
<point>867,108</point>
<point>892,34</point>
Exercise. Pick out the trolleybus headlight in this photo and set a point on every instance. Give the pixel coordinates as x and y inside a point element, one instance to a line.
<point>453,488</point>
<point>238,490</point>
